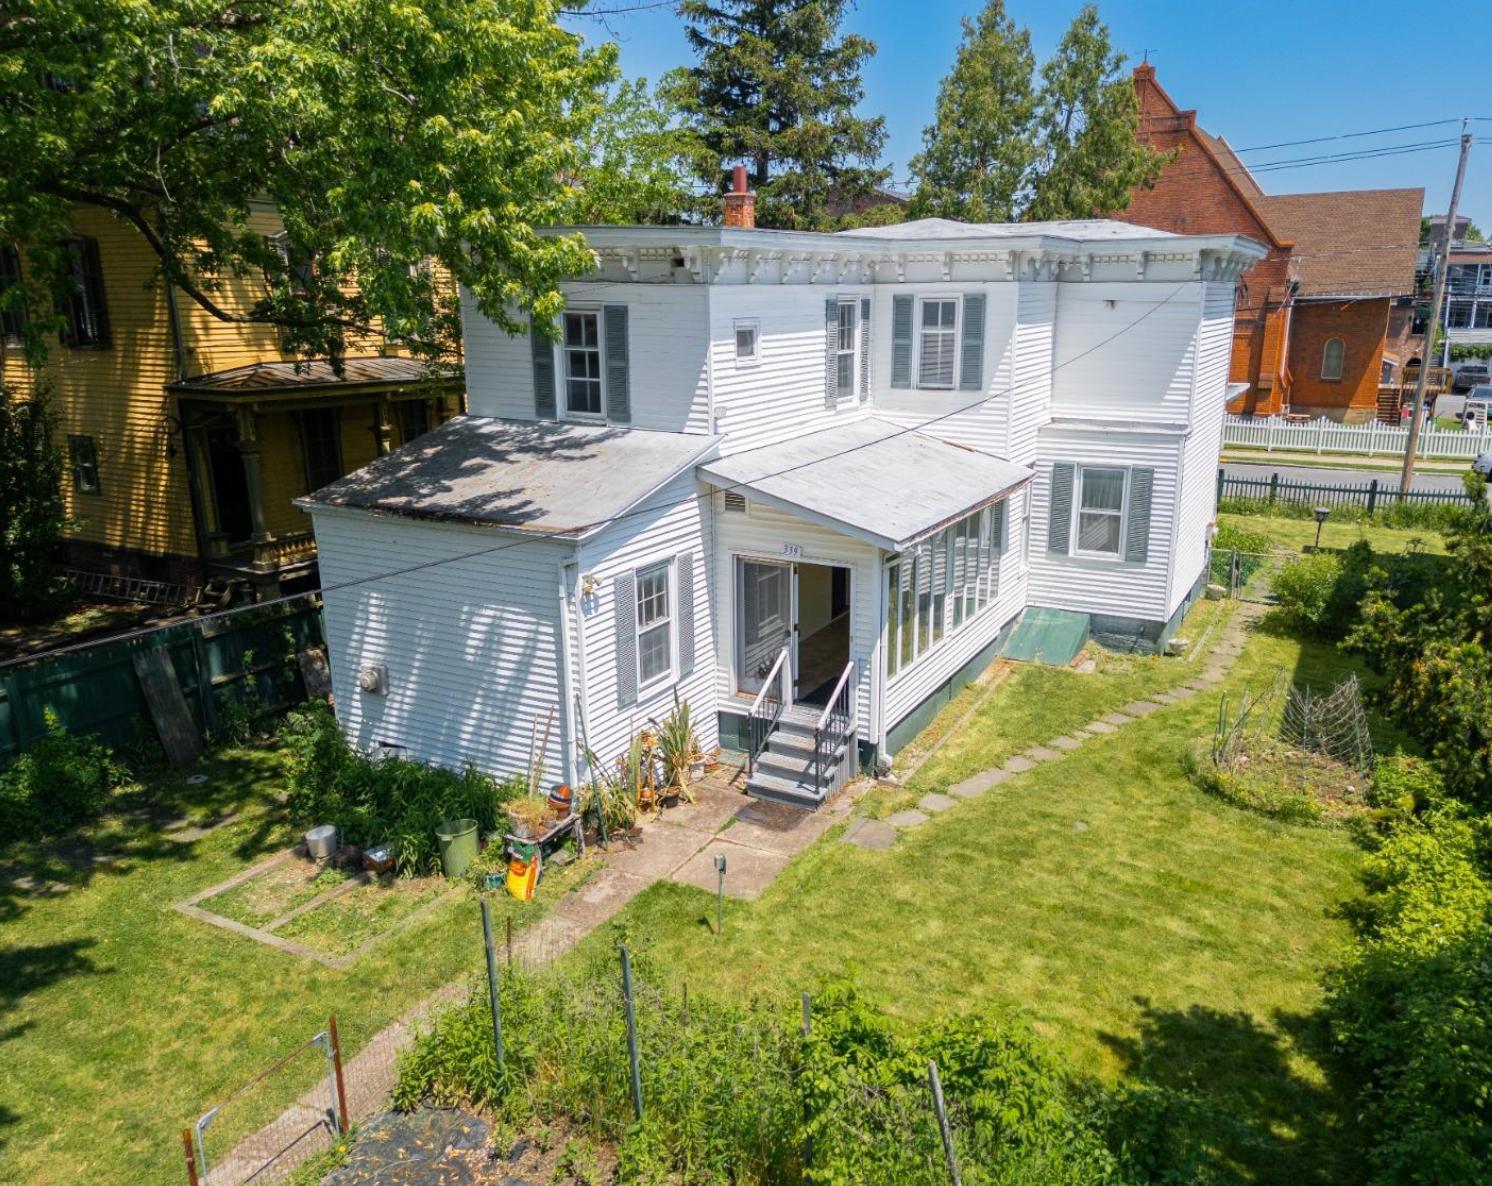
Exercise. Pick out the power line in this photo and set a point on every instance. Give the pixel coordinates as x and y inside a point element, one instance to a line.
<point>584,528</point>
<point>1433,123</point>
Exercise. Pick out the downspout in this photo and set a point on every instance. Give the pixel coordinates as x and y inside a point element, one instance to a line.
<point>569,744</point>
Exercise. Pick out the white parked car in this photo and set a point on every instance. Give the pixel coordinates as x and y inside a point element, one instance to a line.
<point>1482,462</point>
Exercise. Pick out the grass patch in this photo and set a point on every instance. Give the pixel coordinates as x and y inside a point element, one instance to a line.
<point>121,1019</point>
<point>1296,535</point>
<point>1152,932</point>
<point>274,892</point>
<point>351,919</point>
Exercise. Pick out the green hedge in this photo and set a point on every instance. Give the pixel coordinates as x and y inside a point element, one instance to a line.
<point>60,782</point>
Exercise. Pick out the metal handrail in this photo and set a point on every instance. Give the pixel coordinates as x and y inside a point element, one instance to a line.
<point>833,726</point>
<point>767,683</point>
<point>766,709</point>
<point>849,670</point>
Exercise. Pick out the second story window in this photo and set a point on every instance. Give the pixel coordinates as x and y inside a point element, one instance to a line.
<point>583,364</point>
<point>86,319</point>
<point>845,354</point>
<point>937,343</point>
<point>82,457</point>
<point>1332,356</point>
<point>12,311</point>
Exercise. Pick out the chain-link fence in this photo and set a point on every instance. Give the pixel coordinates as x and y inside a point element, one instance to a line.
<point>1247,576</point>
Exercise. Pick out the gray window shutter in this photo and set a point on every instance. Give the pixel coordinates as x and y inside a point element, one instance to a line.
<point>831,352</point>
<point>626,638</point>
<point>1059,523</point>
<point>901,341</point>
<point>686,613</point>
<point>1137,532</point>
<point>1002,516</point>
<point>543,351</point>
<point>971,346</point>
<point>864,349</point>
<point>618,384</point>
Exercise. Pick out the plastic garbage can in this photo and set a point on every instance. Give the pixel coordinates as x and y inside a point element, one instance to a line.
<point>321,842</point>
<point>458,845</point>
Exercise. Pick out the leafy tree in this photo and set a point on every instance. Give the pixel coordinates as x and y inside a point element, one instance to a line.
<point>978,153</point>
<point>776,85</point>
<point>634,173</point>
<point>1006,144</point>
<point>32,515</point>
<point>384,135</point>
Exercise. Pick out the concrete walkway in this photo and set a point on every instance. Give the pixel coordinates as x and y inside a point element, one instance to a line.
<point>881,834</point>
<point>680,844</point>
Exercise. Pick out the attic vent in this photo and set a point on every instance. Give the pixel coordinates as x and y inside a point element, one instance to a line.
<point>735,502</point>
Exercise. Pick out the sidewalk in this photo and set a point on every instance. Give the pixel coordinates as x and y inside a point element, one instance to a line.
<point>1363,461</point>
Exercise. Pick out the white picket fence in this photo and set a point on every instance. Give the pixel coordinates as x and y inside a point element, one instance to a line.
<point>1327,436</point>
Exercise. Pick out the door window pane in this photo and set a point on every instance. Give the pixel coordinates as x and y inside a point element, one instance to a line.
<point>763,616</point>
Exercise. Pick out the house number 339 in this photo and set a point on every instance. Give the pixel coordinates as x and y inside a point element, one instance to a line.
<point>792,550</point>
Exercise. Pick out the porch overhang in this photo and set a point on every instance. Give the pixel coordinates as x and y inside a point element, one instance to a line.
<point>315,379</point>
<point>877,481</point>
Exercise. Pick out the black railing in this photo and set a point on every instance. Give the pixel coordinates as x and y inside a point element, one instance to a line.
<point>1371,495</point>
<point>766,711</point>
<point>834,726</point>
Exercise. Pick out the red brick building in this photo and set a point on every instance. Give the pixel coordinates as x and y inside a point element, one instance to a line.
<point>1323,317</point>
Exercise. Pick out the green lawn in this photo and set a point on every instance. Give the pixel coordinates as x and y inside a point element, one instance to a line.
<point>1293,535</point>
<point>121,1020</point>
<point>1152,933</point>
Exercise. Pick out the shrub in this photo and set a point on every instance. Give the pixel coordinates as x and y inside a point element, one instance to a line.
<point>1266,784</point>
<point>58,783</point>
<point>383,801</point>
<point>1412,1007</point>
<point>1304,588</point>
<point>1433,516</point>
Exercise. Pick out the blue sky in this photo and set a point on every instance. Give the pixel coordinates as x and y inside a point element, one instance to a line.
<point>1308,72</point>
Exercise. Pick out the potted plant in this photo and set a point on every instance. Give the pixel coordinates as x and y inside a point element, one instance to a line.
<point>527,817</point>
<point>679,747</point>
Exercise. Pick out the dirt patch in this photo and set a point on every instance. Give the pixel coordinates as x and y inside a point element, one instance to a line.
<point>1283,781</point>
<point>275,892</point>
<point>343,924</point>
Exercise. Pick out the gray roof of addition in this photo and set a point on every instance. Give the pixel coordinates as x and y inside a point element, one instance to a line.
<point>871,478</point>
<point>543,477</point>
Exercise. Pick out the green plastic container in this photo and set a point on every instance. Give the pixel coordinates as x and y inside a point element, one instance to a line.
<point>458,846</point>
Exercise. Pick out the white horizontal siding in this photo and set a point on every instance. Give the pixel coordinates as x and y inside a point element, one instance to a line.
<point>1125,352</point>
<point>1031,377</point>
<point>670,523</point>
<point>762,534</point>
<point>1109,587</point>
<point>471,642</point>
<point>667,335</point>
<point>912,685</point>
<point>782,393</point>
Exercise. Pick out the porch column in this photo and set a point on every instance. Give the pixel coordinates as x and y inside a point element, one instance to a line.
<point>248,448</point>
<point>383,425</point>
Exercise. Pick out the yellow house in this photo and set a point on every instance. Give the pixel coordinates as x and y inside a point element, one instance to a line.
<point>187,437</point>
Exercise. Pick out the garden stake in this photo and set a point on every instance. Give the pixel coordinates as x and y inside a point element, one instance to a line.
<point>807,1013</point>
<point>631,1033</point>
<point>509,921</point>
<point>343,1128</point>
<point>937,1094</point>
<point>720,894</point>
<point>191,1158</point>
<point>497,1015</point>
<point>808,1139</point>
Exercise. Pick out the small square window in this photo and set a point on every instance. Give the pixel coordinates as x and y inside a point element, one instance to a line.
<point>748,343</point>
<point>82,455</point>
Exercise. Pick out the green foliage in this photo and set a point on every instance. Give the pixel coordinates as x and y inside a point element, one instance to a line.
<point>1303,586</point>
<point>776,85</point>
<point>58,783</point>
<point>734,1093</point>
<point>1324,593</point>
<point>1005,146</point>
<point>1412,1007</point>
<point>386,136</point>
<point>1278,789</point>
<point>388,800</point>
<point>1434,652</point>
<point>1435,516</point>
<point>31,509</point>
<point>634,172</point>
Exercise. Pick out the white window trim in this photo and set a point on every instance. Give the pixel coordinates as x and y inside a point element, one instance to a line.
<point>566,412</point>
<point>1116,557</point>
<point>671,623</point>
<point>958,327</point>
<point>1341,359</point>
<point>755,358</point>
<point>852,391</point>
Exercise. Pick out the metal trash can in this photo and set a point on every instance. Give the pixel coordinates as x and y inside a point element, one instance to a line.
<point>321,842</point>
<point>458,845</point>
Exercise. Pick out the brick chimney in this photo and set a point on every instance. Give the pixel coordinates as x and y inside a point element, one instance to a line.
<point>740,203</point>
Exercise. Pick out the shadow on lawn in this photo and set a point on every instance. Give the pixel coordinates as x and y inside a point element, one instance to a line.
<point>1260,1120</point>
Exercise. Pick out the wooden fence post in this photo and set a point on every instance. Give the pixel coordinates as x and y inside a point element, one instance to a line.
<point>191,1157</point>
<point>342,1124</point>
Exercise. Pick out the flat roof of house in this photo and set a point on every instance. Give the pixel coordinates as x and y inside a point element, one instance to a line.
<point>879,481</point>
<point>538,477</point>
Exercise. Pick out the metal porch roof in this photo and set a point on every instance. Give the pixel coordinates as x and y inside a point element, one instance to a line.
<point>534,476</point>
<point>266,378</point>
<point>873,479</point>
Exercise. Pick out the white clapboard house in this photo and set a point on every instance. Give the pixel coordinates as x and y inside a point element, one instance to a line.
<point>809,483</point>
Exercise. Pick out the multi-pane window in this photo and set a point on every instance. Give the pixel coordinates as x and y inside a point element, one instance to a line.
<point>1101,511</point>
<point>937,343</point>
<point>935,587</point>
<point>86,320</point>
<point>845,349</point>
<point>12,311</point>
<point>1332,356</point>
<point>748,343</point>
<point>654,624</point>
<point>321,444</point>
<point>82,457</point>
<point>583,364</point>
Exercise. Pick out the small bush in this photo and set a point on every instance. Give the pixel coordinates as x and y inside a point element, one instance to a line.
<point>383,801</point>
<point>1304,588</point>
<point>58,783</point>
<point>1271,786</point>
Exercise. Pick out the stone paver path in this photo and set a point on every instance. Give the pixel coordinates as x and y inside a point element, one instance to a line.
<point>874,834</point>
<point>934,803</point>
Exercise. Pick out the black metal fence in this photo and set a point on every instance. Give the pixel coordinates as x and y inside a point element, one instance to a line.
<point>1372,494</point>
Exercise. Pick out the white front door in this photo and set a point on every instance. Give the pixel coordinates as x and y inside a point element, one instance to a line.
<point>765,613</point>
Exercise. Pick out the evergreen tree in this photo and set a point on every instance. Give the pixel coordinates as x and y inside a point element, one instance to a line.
<point>775,86</point>
<point>31,509</point>
<point>978,153</point>
<point>1087,118</point>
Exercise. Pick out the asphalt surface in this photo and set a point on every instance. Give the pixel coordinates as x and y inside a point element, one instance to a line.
<point>1324,476</point>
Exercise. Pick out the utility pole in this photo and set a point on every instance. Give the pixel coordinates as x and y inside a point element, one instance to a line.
<point>1442,272</point>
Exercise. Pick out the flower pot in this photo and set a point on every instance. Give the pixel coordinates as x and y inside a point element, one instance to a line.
<point>458,846</point>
